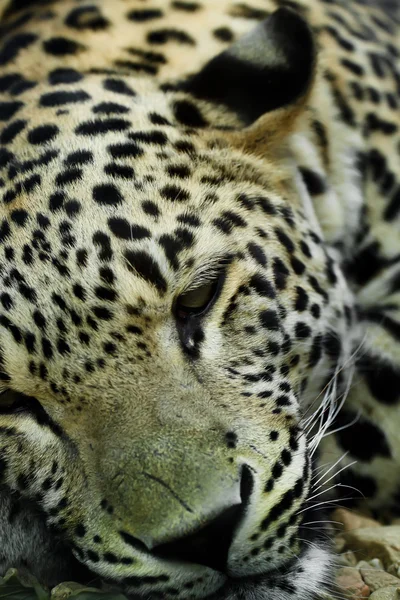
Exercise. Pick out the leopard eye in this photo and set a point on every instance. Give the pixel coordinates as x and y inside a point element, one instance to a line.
<point>195,302</point>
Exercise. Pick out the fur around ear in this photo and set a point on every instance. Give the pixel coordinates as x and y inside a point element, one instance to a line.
<point>269,68</point>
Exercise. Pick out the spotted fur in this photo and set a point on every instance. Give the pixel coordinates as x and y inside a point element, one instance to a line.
<point>149,149</point>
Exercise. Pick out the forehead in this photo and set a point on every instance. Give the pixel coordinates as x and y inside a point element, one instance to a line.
<point>103,159</point>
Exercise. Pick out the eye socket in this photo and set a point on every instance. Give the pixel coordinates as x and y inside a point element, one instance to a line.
<point>195,302</point>
<point>14,403</point>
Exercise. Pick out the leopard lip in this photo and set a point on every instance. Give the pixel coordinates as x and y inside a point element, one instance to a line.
<point>209,546</point>
<point>231,586</point>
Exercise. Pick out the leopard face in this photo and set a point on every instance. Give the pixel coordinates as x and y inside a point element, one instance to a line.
<point>169,313</point>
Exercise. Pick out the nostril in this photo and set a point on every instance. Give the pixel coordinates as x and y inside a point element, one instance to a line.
<point>209,545</point>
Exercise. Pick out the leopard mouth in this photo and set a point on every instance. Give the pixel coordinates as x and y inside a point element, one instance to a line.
<point>209,546</point>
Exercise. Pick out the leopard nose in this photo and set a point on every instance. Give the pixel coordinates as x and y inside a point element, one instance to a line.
<point>209,546</point>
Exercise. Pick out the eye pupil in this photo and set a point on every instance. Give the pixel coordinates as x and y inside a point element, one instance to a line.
<point>195,302</point>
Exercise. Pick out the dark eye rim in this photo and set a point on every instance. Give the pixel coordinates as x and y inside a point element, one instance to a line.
<point>184,314</point>
<point>28,406</point>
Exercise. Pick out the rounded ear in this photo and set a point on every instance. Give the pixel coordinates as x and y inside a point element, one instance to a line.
<point>271,67</point>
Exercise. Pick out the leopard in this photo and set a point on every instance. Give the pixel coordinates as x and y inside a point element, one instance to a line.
<point>199,290</point>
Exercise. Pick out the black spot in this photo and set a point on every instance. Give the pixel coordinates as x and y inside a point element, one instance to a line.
<point>153,57</point>
<point>188,114</point>
<point>393,208</point>
<point>262,286</point>
<point>81,257</point>
<point>149,137</point>
<point>136,66</point>
<point>378,63</point>
<point>86,17</point>
<point>80,157</point>
<point>345,111</point>
<point>382,378</point>
<point>56,201</point>
<point>366,263</point>
<point>110,108</point>
<point>353,67</point>
<point>46,157</point>
<point>317,287</point>
<point>180,171</point>
<point>257,253</point>
<point>147,268</point>
<point>244,11</point>
<point>313,181</point>
<point>224,34</point>
<point>301,301</point>
<point>80,530</point>
<point>65,76</point>
<point>8,109</point>
<point>22,86</point>
<point>102,126</point>
<point>228,221</point>
<point>107,194</point>
<point>79,292</point>
<point>173,245</point>
<point>316,311</point>
<point>174,193</point>
<point>342,41</point>
<point>332,345</point>
<point>5,157</point>
<point>163,36</point>
<point>122,171</point>
<point>92,556</point>
<point>284,239</point>
<point>316,351</point>
<point>375,123</point>
<point>7,304</point>
<point>359,436</point>
<point>68,176</point>
<point>42,134</point>
<point>297,265</point>
<point>102,240</point>
<point>127,150</point>
<point>118,86</point>
<point>8,81</point>
<point>374,95</point>
<point>392,101</point>
<point>10,132</point>
<point>124,230</point>
<point>185,147</point>
<point>145,14</point>
<point>269,319</point>
<point>19,216</point>
<point>14,45</point>
<point>286,457</point>
<point>276,511</point>
<point>150,208</point>
<point>63,97</point>
<point>281,273</point>
<point>157,119</point>
<point>302,330</point>
<point>61,46</point>
<point>102,313</point>
<point>186,6</point>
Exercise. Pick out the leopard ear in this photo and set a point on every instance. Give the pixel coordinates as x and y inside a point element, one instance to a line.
<point>269,68</point>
